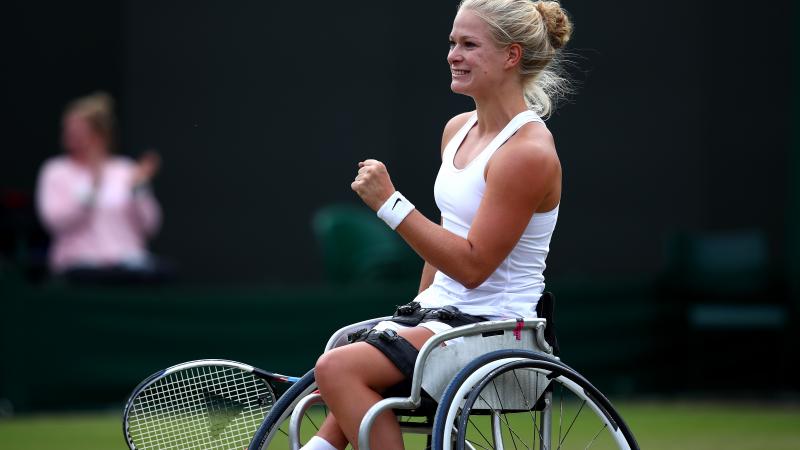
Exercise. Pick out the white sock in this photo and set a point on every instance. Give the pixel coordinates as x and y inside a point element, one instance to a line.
<point>317,443</point>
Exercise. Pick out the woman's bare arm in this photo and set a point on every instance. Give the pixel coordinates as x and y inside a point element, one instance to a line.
<point>522,175</point>
<point>450,129</point>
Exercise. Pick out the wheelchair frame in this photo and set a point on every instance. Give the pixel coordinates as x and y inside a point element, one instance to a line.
<point>526,348</point>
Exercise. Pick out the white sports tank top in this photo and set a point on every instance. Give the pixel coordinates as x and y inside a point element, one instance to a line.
<point>515,287</point>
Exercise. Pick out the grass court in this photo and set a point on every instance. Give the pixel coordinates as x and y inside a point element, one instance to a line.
<point>658,426</point>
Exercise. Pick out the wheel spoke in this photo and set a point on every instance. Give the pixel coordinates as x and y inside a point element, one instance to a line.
<point>479,432</point>
<point>311,420</point>
<point>530,408</point>
<point>479,445</point>
<point>497,393</point>
<point>561,442</point>
<point>504,419</point>
<point>605,425</point>
<point>514,433</point>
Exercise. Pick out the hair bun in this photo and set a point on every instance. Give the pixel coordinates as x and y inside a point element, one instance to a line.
<point>559,27</point>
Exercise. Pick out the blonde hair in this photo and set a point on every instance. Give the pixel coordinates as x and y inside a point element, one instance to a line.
<point>97,109</point>
<point>541,28</point>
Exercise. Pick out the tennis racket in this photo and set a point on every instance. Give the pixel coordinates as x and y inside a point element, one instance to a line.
<point>205,404</point>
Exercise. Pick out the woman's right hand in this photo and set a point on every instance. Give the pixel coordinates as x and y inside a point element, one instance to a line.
<point>146,168</point>
<point>372,183</point>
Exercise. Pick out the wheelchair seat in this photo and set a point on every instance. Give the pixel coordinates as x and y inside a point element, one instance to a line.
<point>545,309</point>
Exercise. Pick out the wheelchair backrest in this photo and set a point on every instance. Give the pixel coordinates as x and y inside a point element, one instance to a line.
<point>545,309</point>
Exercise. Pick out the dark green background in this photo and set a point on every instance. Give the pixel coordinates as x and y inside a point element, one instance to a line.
<point>684,121</point>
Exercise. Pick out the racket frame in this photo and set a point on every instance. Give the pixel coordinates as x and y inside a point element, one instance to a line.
<point>269,377</point>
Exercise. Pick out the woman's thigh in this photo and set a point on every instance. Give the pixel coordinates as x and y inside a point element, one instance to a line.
<point>363,362</point>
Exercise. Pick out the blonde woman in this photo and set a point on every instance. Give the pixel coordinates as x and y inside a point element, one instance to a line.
<point>96,205</point>
<point>498,190</point>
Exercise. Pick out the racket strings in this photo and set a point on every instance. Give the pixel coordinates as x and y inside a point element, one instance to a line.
<point>208,407</point>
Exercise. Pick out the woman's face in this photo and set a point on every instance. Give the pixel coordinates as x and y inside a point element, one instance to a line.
<point>79,139</point>
<point>476,63</point>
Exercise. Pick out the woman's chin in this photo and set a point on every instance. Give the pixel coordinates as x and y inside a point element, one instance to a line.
<point>458,87</point>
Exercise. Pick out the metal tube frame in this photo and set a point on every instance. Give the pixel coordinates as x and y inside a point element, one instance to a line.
<point>297,418</point>
<point>415,398</point>
<point>546,423</point>
<point>497,431</point>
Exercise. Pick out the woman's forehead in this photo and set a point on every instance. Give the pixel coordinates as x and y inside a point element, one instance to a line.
<point>75,117</point>
<point>469,24</point>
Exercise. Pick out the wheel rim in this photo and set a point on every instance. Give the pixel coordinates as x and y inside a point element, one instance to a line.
<point>577,420</point>
<point>278,436</point>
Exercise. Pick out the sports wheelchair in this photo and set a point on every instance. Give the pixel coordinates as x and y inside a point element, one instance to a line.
<point>501,387</point>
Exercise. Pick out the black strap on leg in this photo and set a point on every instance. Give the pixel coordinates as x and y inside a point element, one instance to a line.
<point>395,347</point>
<point>409,315</point>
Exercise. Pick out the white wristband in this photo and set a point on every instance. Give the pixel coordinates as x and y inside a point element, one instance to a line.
<point>395,209</point>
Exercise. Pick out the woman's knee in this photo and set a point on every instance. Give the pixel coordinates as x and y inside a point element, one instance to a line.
<point>323,369</point>
<point>331,367</point>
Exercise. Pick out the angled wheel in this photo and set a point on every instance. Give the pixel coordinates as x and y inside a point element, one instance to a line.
<point>274,432</point>
<point>525,400</point>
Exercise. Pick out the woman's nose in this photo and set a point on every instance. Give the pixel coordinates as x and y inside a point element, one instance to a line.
<point>453,55</point>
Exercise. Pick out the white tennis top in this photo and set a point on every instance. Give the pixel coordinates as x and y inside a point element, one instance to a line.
<point>515,287</point>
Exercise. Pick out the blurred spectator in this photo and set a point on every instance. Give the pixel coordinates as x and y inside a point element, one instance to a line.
<point>98,206</point>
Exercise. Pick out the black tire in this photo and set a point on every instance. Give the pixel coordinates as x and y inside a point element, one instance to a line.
<point>559,379</point>
<point>279,413</point>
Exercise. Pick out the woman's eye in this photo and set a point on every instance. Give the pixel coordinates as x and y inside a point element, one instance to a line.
<point>452,44</point>
<point>469,44</point>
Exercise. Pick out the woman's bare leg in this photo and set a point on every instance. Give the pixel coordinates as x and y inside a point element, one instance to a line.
<point>331,432</point>
<point>350,379</point>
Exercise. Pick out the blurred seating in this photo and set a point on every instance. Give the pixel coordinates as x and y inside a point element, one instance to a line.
<point>357,246</point>
<point>730,264</point>
<point>724,275</point>
<point>23,241</point>
<point>729,300</point>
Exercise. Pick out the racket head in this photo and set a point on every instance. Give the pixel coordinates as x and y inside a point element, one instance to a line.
<point>203,404</point>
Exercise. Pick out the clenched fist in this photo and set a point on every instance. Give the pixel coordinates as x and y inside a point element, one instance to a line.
<point>372,183</point>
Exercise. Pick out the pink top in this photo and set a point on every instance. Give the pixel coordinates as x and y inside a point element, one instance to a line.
<point>111,228</point>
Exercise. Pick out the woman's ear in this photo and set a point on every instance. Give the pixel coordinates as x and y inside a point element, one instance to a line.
<point>514,55</point>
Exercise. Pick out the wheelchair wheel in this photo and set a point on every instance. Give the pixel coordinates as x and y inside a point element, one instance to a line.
<point>274,430</point>
<point>525,400</point>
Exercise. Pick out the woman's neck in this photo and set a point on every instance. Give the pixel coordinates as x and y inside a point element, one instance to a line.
<point>497,108</point>
<point>91,157</point>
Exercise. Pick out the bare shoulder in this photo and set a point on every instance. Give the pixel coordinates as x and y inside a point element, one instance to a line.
<point>452,127</point>
<point>533,143</point>
<point>530,151</point>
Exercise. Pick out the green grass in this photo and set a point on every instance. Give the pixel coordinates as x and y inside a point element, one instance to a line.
<point>658,426</point>
<point>701,426</point>
<point>64,431</point>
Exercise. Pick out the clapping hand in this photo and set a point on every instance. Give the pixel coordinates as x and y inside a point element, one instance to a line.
<point>146,168</point>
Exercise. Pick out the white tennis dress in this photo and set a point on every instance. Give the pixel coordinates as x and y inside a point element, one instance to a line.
<point>515,287</point>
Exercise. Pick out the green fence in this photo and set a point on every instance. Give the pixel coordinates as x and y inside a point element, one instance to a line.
<point>81,347</point>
